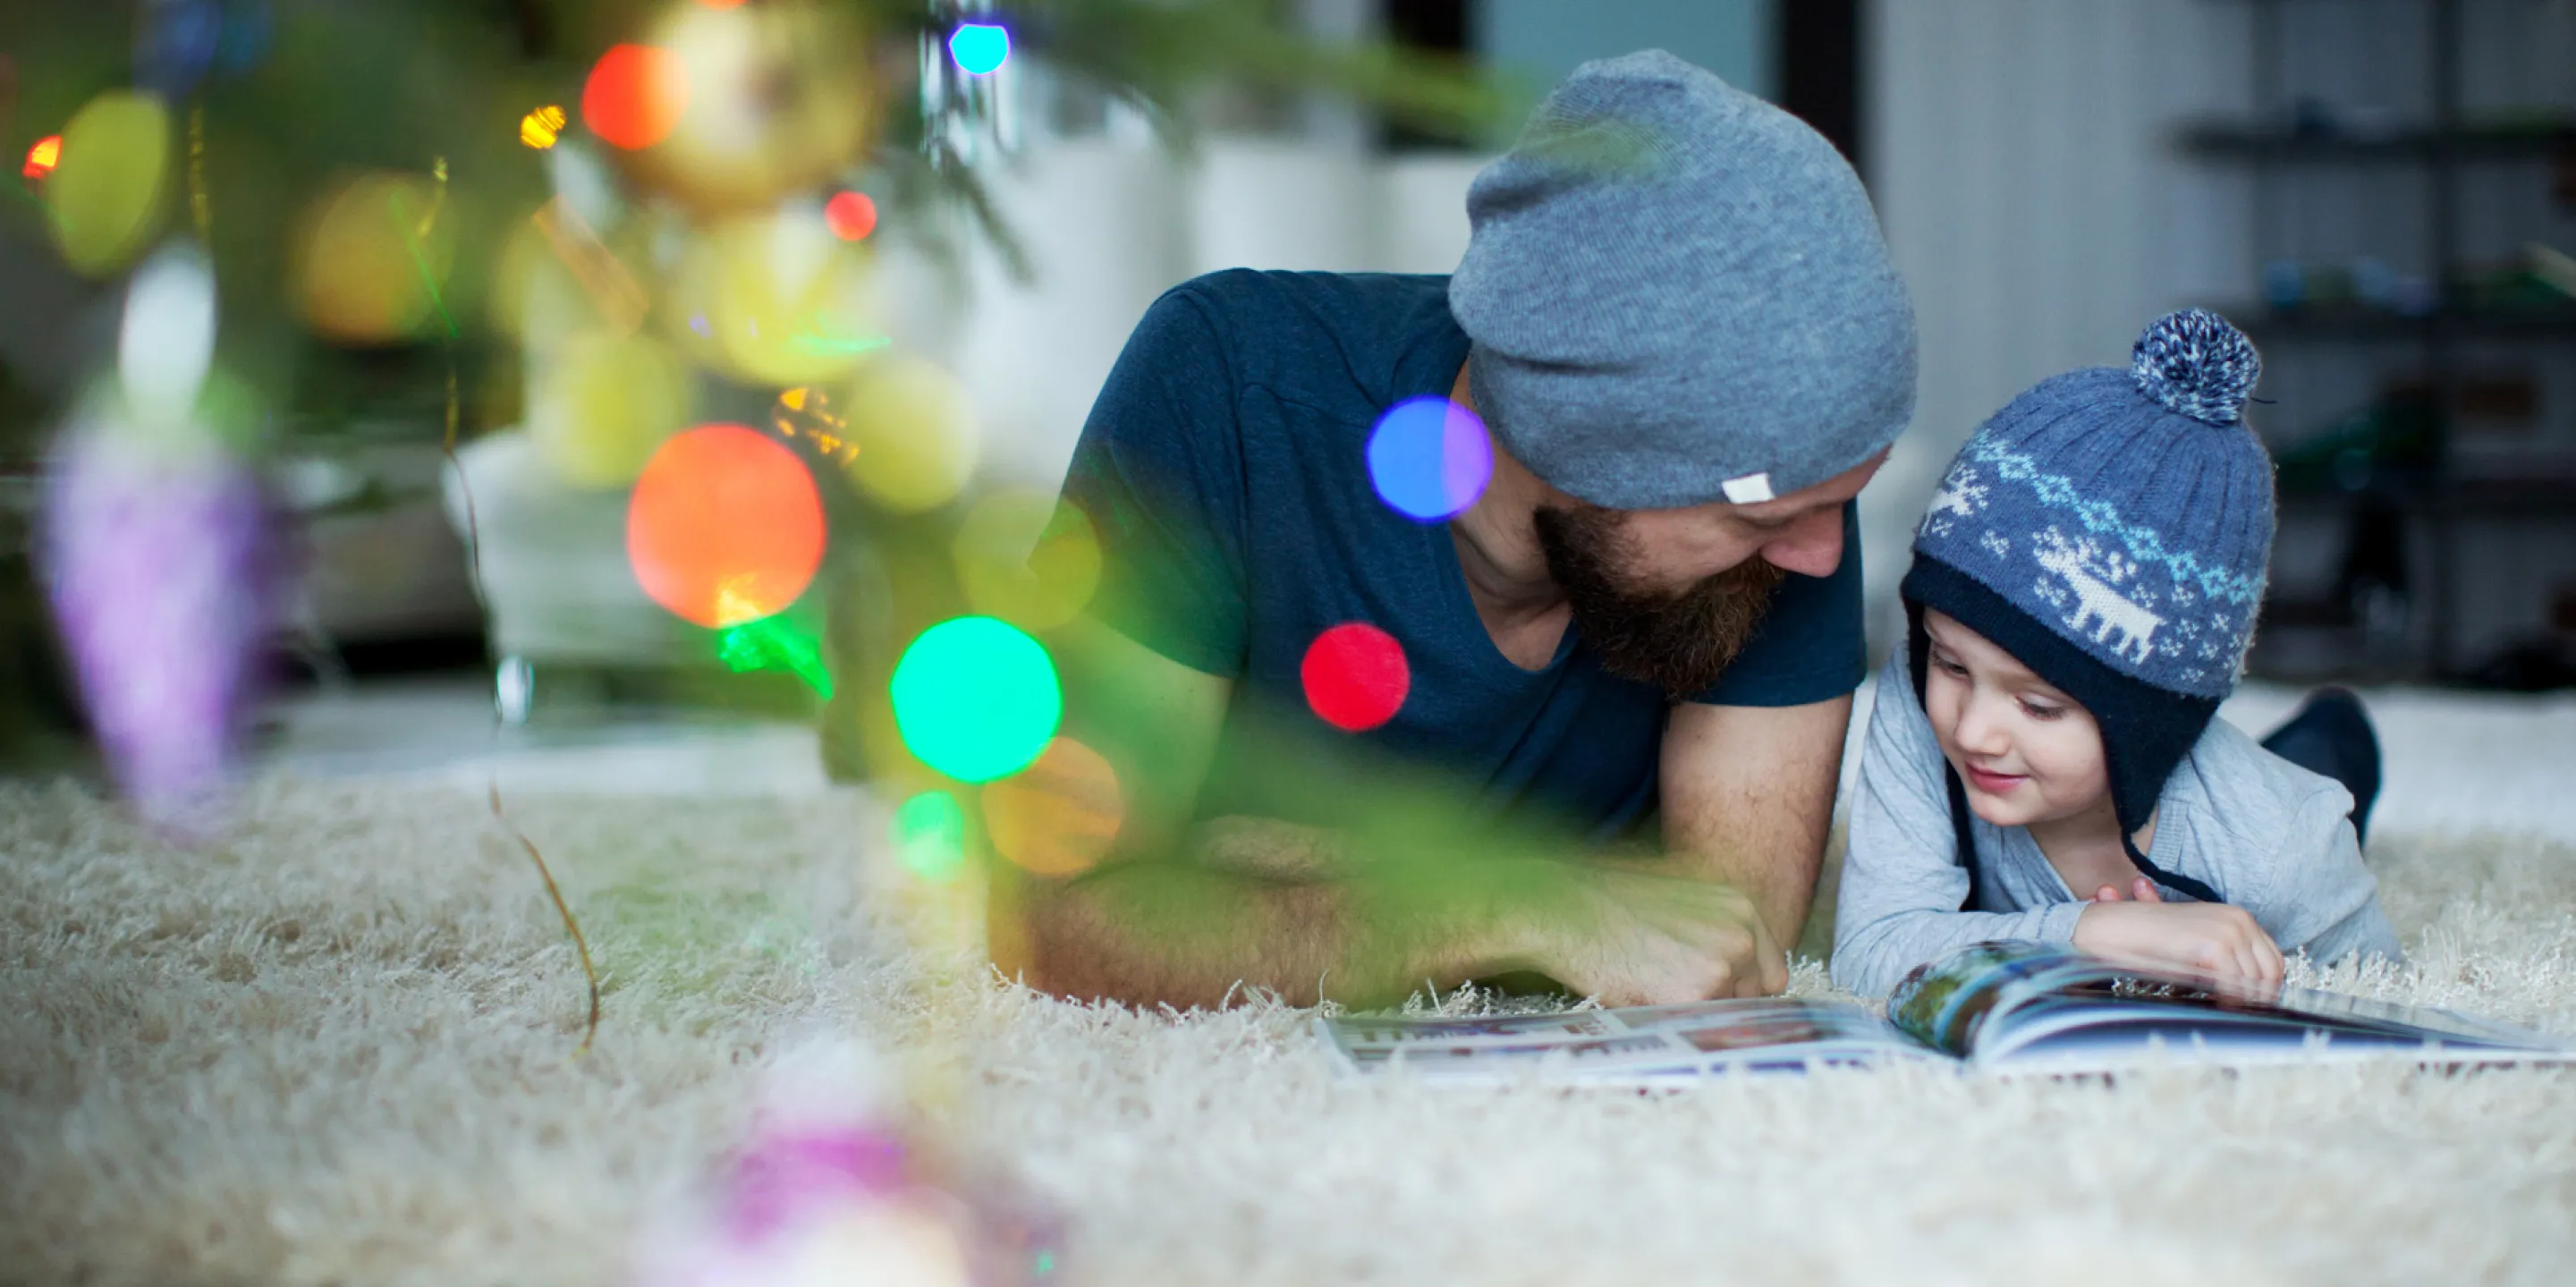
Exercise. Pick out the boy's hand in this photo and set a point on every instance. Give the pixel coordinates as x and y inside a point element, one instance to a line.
<point>2214,939</point>
<point>2141,889</point>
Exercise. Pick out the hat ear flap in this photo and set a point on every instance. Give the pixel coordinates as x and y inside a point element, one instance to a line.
<point>1963,838</point>
<point>2135,788</point>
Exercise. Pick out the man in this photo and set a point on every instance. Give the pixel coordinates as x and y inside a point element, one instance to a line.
<point>1677,320</point>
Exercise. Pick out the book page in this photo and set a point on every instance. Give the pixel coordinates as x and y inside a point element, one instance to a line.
<point>1645,1042</point>
<point>1945,1003</point>
<point>1999,1001</point>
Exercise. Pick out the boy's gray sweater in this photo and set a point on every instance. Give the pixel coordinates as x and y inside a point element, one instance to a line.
<point>2270,836</point>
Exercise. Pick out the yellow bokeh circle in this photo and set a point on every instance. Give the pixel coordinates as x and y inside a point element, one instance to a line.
<point>372,257</point>
<point>601,404</point>
<point>776,299</point>
<point>111,182</point>
<point>778,102</point>
<point>914,432</point>
<point>556,281</point>
<point>1027,558</point>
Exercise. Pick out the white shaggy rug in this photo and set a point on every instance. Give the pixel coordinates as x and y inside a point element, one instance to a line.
<point>335,1049</point>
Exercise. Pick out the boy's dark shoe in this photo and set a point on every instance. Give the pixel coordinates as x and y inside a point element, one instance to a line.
<point>2331,734</point>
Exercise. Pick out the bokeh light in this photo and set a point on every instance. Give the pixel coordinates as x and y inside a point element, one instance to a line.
<point>775,643</point>
<point>852,215</point>
<point>602,404</point>
<point>635,95</point>
<point>916,433</point>
<point>539,129</point>
<point>41,156</point>
<point>1430,458</point>
<point>174,44</point>
<point>1060,815</point>
<point>366,271</point>
<point>975,698</point>
<point>724,526</point>
<point>111,180</point>
<point>1027,558</point>
<point>929,834</point>
<point>807,415</point>
<point>1355,676</point>
<point>556,280</point>
<point>785,302</point>
<point>776,104</point>
<point>979,47</point>
<point>245,39</point>
<point>166,340</point>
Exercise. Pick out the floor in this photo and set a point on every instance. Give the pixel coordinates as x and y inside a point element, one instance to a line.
<point>341,1047</point>
<point>2456,761</point>
<point>442,729</point>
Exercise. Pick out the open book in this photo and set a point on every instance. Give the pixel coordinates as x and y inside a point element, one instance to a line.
<point>2018,1006</point>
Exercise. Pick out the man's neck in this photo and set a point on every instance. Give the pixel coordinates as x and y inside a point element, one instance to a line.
<point>1499,554</point>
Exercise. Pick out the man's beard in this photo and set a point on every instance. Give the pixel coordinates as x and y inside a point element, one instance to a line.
<point>1678,642</point>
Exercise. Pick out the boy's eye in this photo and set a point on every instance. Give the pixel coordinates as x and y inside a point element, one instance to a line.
<point>1947,666</point>
<point>2041,710</point>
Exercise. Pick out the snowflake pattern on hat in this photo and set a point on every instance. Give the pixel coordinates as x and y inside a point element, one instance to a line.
<point>2129,511</point>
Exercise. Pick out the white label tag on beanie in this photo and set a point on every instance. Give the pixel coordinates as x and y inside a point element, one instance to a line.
<point>1748,490</point>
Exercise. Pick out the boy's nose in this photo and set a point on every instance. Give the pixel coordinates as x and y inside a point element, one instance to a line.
<point>1978,732</point>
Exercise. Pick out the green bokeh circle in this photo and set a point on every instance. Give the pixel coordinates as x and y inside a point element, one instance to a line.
<point>930,834</point>
<point>976,699</point>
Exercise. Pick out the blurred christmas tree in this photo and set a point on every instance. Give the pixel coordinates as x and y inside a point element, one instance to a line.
<point>259,228</point>
<point>361,174</point>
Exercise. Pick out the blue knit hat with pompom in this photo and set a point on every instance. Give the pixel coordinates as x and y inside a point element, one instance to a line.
<point>2129,511</point>
<point>2112,529</point>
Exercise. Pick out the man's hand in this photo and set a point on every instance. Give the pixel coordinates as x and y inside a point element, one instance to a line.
<point>2214,939</point>
<point>1638,938</point>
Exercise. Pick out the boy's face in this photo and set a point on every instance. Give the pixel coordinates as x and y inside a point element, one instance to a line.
<point>2026,752</point>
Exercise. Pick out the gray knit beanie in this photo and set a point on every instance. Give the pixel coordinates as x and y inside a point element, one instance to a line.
<point>1677,293</point>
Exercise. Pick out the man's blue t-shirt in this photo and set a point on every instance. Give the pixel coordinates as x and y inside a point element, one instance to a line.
<point>1224,470</point>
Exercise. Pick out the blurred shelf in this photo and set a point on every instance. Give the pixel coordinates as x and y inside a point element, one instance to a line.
<point>2358,323</point>
<point>2485,497</point>
<point>2465,498</point>
<point>2404,460</point>
<point>2236,141</point>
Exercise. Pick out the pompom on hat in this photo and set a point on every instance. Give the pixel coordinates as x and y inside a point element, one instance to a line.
<point>2112,530</point>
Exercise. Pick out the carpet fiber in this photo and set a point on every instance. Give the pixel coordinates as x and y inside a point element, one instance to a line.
<point>337,1048</point>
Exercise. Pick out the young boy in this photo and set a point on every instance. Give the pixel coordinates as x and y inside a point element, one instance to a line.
<point>2043,762</point>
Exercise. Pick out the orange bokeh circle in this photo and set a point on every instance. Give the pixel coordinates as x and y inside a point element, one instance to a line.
<point>635,95</point>
<point>852,215</point>
<point>724,526</point>
<point>1059,816</point>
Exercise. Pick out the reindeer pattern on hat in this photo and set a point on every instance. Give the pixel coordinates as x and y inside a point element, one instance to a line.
<point>2111,585</point>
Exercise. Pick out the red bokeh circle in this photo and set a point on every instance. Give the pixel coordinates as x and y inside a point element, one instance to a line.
<point>851,215</point>
<point>635,95</point>
<point>724,526</point>
<point>1356,677</point>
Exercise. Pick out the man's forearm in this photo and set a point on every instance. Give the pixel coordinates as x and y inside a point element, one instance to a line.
<point>1150,933</point>
<point>1749,798</point>
<point>1780,879</point>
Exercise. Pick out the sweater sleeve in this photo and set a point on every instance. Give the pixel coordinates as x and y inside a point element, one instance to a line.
<point>2322,899</point>
<point>1901,884</point>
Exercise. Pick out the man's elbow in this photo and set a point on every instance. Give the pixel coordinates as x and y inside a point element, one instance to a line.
<point>1025,930</point>
<point>1049,935</point>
